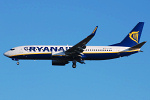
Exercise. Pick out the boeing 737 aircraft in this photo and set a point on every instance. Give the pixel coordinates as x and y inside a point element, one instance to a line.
<point>62,55</point>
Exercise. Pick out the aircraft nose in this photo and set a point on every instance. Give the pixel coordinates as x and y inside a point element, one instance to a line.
<point>6,54</point>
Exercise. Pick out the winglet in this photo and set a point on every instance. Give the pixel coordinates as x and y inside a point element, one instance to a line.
<point>94,31</point>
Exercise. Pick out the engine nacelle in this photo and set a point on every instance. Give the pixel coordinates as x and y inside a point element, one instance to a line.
<point>59,62</point>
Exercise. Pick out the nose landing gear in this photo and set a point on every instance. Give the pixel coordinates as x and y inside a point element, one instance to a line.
<point>15,59</point>
<point>17,62</point>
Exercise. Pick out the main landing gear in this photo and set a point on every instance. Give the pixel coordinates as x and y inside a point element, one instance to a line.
<point>74,64</point>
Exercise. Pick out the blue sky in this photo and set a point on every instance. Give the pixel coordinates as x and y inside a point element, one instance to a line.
<point>62,22</point>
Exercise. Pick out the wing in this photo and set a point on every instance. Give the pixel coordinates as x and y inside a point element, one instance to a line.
<point>77,49</point>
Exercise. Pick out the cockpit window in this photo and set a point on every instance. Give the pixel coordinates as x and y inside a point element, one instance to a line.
<point>12,49</point>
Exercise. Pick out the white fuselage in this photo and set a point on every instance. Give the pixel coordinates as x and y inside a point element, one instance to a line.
<point>33,51</point>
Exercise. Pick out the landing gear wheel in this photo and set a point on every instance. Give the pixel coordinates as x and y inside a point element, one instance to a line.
<point>74,64</point>
<point>17,63</point>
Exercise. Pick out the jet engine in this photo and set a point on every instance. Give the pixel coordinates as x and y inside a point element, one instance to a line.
<point>59,62</point>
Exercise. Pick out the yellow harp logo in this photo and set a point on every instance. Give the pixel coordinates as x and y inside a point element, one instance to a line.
<point>134,36</point>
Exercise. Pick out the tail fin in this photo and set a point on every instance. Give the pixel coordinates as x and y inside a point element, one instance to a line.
<point>133,37</point>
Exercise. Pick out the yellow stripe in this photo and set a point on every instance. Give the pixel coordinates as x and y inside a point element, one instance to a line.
<point>94,29</point>
<point>58,55</point>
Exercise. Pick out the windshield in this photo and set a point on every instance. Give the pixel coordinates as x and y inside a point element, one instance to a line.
<point>12,49</point>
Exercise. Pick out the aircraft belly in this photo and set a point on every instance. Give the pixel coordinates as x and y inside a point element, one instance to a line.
<point>100,56</point>
<point>104,56</point>
<point>34,56</point>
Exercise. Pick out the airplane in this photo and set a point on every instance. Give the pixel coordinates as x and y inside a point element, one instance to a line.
<point>62,55</point>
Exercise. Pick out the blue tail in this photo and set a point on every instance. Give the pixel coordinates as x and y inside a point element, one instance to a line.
<point>133,37</point>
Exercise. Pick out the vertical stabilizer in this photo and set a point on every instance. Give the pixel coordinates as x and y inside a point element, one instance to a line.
<point>133,37</point>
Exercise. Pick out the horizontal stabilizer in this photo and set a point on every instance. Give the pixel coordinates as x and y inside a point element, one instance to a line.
<point>138,46</point>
